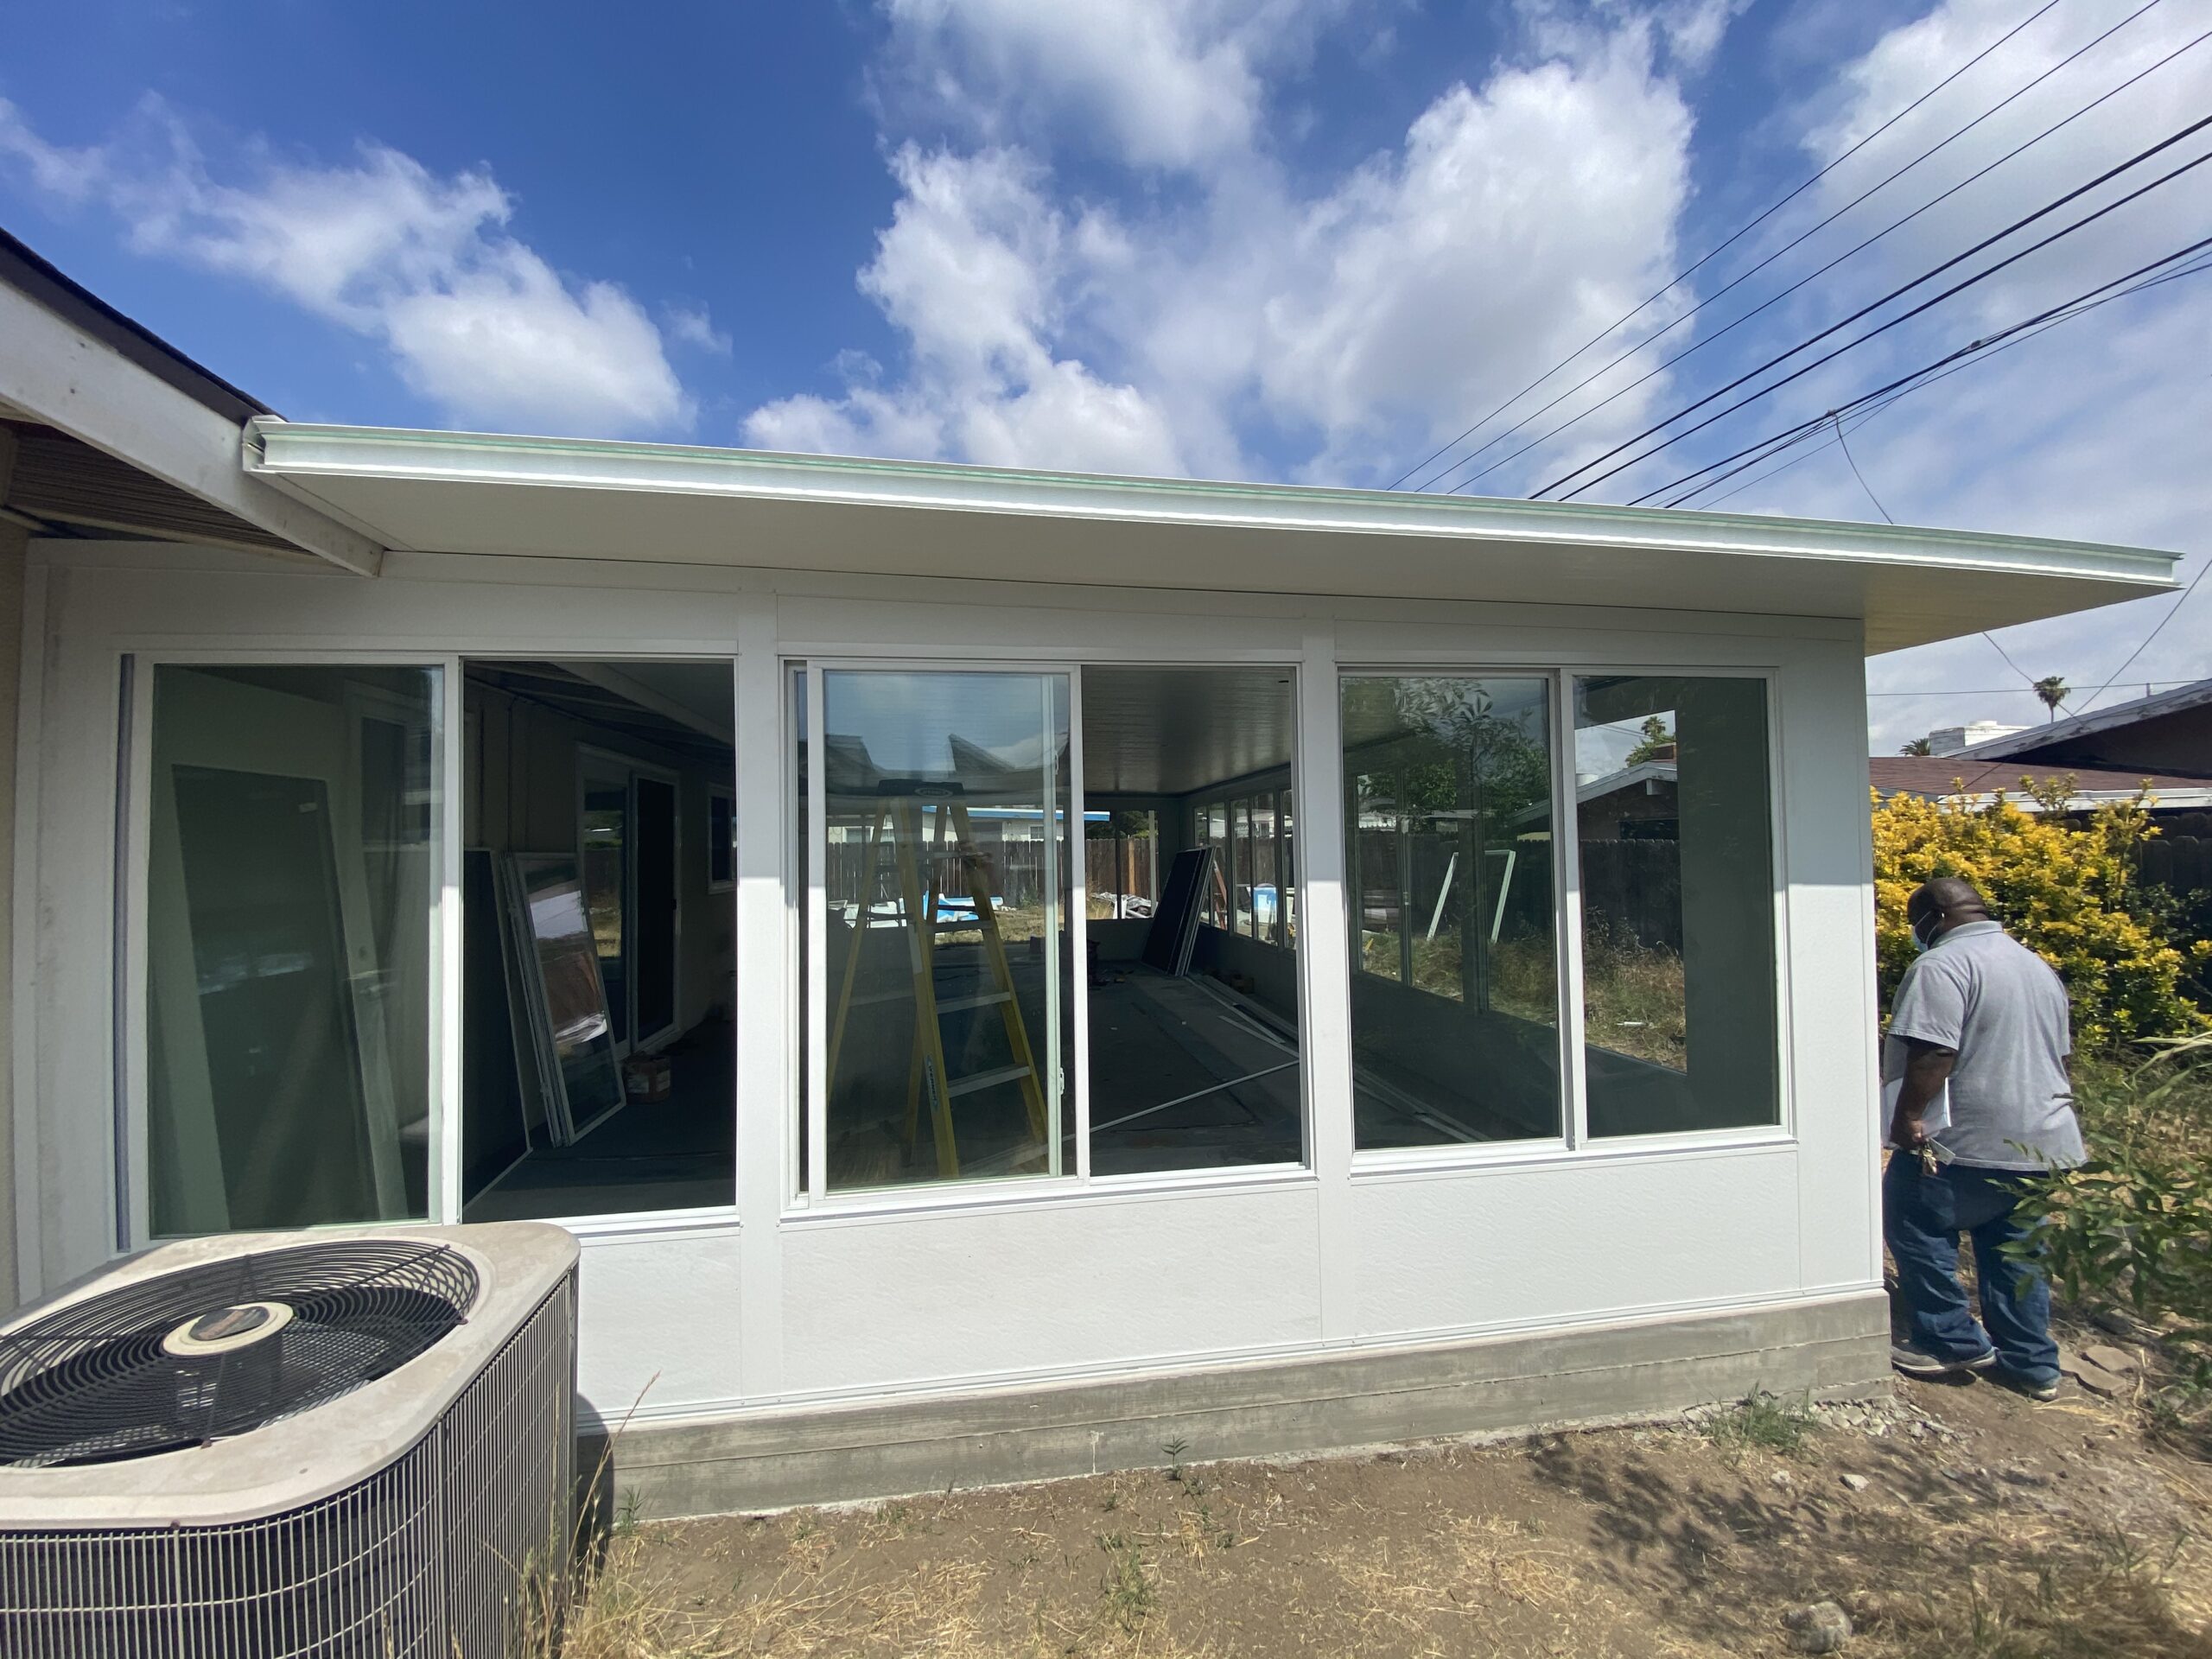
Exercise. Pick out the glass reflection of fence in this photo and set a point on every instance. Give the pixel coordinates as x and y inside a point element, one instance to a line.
<point>1635,886</point>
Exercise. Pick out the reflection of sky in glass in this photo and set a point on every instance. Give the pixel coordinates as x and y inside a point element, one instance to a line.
<point>905,720</point>
<point>1601,749</point>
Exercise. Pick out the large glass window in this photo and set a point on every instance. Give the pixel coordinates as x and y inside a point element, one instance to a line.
<point>1448,864</point>
<point>1194,1048</point>
<point>947,979</point>
<point>294,825</point>
<point>598,970</point>
<point>1676,850</point>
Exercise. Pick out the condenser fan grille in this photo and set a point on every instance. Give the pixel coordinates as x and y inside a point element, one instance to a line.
<point>213,1351</point>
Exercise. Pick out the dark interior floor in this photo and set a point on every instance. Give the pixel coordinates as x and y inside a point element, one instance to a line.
<point>678,1153</point>
<point>1185,1074</point>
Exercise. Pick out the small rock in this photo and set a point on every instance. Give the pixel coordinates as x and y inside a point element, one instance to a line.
<point>1857,1483</point>
<point>2095,1378</point>
<point>2118,1361</point>
<point>1781,1477</point>
<point>1822,1628</point>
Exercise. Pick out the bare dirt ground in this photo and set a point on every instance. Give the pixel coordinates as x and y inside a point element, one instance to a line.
<point>1947,1520</point>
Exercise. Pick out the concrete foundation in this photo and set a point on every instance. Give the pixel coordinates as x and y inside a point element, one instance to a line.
<point>1831,1347</point>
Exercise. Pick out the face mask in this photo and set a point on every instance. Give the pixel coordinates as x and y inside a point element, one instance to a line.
<point>1922,929</point>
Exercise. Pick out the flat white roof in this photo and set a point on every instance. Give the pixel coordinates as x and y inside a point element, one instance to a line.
<point>461,492</point>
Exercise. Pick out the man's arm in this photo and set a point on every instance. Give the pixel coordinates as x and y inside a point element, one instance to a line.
<point>1927,1068</point>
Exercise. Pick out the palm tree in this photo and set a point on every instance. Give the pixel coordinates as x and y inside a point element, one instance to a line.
<point>1918,745</point>
<point>2052,688</point>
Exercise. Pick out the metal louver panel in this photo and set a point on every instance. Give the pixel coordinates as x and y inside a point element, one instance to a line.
<point>430,1557</point>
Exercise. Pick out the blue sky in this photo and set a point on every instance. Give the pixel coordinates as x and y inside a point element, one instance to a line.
<point>1303,239</point>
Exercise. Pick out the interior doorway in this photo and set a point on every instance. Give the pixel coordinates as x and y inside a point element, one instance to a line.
<point>630,847</point>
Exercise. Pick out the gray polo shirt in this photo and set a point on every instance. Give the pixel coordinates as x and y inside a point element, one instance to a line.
<point>1981,992</point>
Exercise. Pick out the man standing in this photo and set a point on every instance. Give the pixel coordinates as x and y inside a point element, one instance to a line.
<point>1977,1051</point>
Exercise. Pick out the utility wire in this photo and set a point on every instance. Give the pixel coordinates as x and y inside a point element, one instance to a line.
<point>1988,639</point>
<point>1775,299</point>
<point>1869,414</point>
<point>1885,512</point>
<point>1850,344</point>
<point>1776,206</point>
<point>2149,637</point>
<point>1988,342</point>
<point>2000,691</point>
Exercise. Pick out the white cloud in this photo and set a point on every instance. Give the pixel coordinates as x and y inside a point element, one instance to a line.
<point>2095,431</point>
<point>1159,83</point>
<point>694,326</point>
<point>475,320</point>
<point>1343,328</point>
<point>976,269</point>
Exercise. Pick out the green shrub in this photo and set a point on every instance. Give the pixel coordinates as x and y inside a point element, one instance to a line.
<point>2066,890</point>
<point>2132,1228</point>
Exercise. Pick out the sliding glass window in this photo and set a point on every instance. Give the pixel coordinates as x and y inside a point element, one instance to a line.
<point>1675,842</point>
<point>944,883</point>
<point>598,967</point>
<point>295,823</point>
<point>1448,832</point>
<point>1194,1051</point>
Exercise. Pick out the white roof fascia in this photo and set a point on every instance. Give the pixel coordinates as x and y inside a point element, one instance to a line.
<point>54,373</point>
<point>428,491</point>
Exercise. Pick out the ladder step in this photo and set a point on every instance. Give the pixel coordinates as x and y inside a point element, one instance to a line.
<point>981,1000</point>
<point>987,1080</point>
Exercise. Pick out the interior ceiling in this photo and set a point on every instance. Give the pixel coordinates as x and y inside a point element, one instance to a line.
<point>1173,731</point>
<point>570,688</point>
<point>60,485</point>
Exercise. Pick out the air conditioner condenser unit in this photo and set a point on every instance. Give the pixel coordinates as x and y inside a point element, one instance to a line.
<point>345,1443</point>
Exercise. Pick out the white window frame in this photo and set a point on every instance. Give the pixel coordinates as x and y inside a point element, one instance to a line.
<point>134,1057</point>
<point>809,1189</point>
<point>728,796</point>
<point>608,762</point>
<point>1575,1144</point>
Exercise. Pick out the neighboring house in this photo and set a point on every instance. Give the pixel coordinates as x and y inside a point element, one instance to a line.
<point>1951,739</point>
<point>1969,779</point>
<point>2170,733</point>
<point>364,844</point>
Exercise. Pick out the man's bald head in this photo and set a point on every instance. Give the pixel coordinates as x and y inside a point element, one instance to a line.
<point>1953,898</point>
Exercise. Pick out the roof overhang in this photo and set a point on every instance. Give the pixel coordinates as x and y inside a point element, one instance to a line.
<point>71,363</point>
<point>452,493</point>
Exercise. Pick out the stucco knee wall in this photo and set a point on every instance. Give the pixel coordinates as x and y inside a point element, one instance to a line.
<point>1829,1347</point>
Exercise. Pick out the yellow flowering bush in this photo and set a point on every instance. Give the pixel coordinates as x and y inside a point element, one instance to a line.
<point>2066,890</point>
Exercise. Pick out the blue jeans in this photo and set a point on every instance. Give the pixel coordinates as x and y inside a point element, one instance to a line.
<point>1922,1216</point>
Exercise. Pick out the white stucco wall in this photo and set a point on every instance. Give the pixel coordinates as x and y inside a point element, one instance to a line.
<point>774,1302</point>
<point>13,543</point>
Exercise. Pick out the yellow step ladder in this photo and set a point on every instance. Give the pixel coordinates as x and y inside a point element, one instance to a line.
<point>918,903</point>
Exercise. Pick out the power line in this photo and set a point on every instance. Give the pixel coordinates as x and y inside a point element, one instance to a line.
<point>1988,639</point>
<point>1963,358</point>
<point>2149,637</point>
<point>1922,369</point>
<point>1880,508</point>
<point>2000,691</point>
<point>1964,351</point>
<point>1798,436</point>
<point>1629,316</point>
<point>1904,317</point>
<point>1775,299</point>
